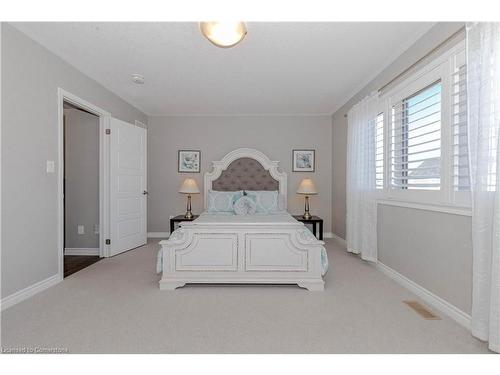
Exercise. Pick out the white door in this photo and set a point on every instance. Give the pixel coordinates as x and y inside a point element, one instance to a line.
<point>128,186</point>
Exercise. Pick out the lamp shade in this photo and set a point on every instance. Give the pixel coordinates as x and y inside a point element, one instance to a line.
<point>307,187</point>
<point>189,186</point>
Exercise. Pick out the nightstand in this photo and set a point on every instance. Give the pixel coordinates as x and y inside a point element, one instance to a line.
<point>178,219</point>
<point>315,221</point>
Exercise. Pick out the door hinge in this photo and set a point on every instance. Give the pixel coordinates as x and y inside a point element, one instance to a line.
<point>108,242</point>
<point>108,131</point>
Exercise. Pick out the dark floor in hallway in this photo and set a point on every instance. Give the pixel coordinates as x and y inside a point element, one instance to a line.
<point>75,263</point>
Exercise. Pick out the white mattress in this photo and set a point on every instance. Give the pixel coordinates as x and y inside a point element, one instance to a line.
<point>281,217</point>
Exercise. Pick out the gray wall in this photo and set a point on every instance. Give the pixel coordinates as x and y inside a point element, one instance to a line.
<point>430,248</point>
<point>81,165</point>
<point>30,77</point>
<point>215,136</point>
<point>433,249</point>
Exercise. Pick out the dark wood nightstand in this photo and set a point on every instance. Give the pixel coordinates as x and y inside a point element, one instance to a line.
<point>178,219</point>
<point>315,220</point>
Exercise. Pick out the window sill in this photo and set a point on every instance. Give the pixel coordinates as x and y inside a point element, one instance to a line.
<point>463,211</point>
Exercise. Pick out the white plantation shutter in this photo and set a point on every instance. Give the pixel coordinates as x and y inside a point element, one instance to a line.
<point>415,141</point>
<point>461,180</point>
<point>379,151</point>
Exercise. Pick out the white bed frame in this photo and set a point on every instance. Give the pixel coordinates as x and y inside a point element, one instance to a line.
<point>249,253</point>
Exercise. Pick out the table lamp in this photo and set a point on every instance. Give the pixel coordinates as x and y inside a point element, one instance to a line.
<point>189,187</point>
<point>307,188</point>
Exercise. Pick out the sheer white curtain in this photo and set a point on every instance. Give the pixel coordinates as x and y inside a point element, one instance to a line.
<point>361,221</point>
<point>483,85</point>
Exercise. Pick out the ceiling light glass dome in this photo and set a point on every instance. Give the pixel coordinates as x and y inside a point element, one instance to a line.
<point>224,34</point>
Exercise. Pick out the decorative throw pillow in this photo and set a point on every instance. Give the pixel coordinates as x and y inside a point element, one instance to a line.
<point>266,201</point>
<point>222,201</point>
<point>245,206</point>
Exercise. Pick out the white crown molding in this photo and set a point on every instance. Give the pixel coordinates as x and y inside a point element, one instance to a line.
<point>30,291</point>
<point>81,251</point>
<point>435,301</point>
<point>268,164</point>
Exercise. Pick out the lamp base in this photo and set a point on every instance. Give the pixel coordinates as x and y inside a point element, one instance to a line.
<point>189,214</point>
<point>307,215</point>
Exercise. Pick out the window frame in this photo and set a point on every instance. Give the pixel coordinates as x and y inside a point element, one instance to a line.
<point>439,69</point>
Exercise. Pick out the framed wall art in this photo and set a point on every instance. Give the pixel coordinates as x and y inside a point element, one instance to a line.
<point>189,161</point>
<point>303,160</point>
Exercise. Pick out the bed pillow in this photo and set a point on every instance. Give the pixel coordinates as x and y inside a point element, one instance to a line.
<point>265,201</point>
<point>222,201</point>
<point>245,206</point>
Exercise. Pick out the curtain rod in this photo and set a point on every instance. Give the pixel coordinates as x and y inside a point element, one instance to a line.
<point>459,31</point>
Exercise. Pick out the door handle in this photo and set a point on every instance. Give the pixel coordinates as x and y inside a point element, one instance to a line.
<point>144,192</point>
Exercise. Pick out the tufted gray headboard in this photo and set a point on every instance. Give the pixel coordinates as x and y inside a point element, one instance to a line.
<point>245,174</point>
<point>246,169</point>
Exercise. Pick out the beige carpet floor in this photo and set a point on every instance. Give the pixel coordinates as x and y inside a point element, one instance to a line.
<point>115,306</point>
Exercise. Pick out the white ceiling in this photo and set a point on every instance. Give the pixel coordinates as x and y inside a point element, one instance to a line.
<point>280,68</point>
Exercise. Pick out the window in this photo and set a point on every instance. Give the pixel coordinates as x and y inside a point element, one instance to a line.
<point>422,148</point>
<point>379,151</point>
<point>416,140</point>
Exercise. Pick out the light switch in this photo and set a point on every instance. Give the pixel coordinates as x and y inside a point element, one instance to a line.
<point>81,229</point>
<point>51,166</point>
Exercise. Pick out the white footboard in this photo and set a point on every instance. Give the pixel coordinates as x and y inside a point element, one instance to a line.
<point>267,254</point>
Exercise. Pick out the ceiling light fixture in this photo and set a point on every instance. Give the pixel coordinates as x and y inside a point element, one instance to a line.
<point>224,34</point>
<point>138,78</point>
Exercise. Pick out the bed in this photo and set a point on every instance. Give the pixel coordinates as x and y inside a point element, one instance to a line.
<point>225,248</point>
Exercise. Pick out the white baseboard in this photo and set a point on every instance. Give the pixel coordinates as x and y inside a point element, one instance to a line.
<point>437,302</point>
<point>339,239</point>
<point>29,291</point>
<point>158,234</point>
<point>81,251</point>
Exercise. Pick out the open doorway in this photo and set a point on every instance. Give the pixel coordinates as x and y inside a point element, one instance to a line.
<point>81,235</point>
<point>120,153</point>
<point>67,99</point>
